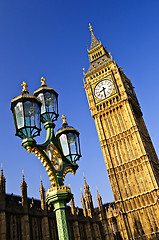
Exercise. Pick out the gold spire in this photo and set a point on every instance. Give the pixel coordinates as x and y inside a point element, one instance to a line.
<point>94,41</point>
<point>24,85</point>
<point>43,82</point>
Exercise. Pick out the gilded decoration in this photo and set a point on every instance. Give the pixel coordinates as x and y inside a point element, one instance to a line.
<point>54,156</point>
<point>48,167</point>
<point>24,85</point>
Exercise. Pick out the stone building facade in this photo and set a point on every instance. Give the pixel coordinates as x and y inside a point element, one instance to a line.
<point>22,218</point>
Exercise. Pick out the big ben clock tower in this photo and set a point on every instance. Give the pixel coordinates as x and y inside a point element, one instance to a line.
<point>130,158</point>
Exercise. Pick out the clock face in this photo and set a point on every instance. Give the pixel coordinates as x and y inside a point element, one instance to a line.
<point>103,89</point>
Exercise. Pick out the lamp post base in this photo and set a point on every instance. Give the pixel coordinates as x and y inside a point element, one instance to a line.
<point>58,197</point>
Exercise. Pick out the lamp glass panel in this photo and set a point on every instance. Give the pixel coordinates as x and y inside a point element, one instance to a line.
<point>29,113</point>
<point>77,145</point>
<point>55,103</point>
<point>19,115</point>
<point>41,97</point>
<point>29,117</point>
<point>37,115</point>
<point>64,144</point>
<point>72,143</point>
<point>48,102</point>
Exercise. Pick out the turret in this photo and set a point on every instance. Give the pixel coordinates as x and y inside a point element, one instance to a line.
<point>2,182</point>
<point>24,191</point>
<point>83,204</point>
<point>72,203</point>
<point>42,196</point>
<point>88,199</point>
<point>100,205</point>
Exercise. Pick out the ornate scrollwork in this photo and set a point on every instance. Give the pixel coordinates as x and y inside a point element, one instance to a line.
<point>68,169</point>
<point>42,156</point>
<point>54,157</point>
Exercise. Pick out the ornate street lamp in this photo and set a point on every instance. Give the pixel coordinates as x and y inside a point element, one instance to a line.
<point>58,153</point>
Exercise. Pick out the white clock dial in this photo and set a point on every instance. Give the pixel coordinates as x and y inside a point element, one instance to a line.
<point>104,89</point>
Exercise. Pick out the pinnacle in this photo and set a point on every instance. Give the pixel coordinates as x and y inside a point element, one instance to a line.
<point>2,175</point>
<point>94,41</point>
<point>1,170</point>
<point>85,183</point>
<point>97,192</point>
<point>23,180</point>
<point>42,189</point>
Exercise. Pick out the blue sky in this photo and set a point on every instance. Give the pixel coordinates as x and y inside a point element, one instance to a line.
<point>50,38</point>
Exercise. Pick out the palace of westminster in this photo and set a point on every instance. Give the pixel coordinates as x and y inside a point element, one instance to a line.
<point>131,162</point>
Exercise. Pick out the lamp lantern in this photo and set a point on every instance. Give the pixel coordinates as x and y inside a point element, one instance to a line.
<point>26,114</point>
<point>69,141</point>
<point>49,99</point>
<point>57,153</point>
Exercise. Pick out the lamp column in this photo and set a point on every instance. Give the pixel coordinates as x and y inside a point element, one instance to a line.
<point>58,198</point>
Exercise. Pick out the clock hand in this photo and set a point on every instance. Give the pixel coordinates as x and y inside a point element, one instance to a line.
<point>103,90</point>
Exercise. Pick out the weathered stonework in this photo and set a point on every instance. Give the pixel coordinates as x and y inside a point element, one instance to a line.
<point>22,218</point>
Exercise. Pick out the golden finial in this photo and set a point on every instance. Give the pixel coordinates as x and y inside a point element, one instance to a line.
<point>22,172</point>
<point>43,82</point>
<point>83,70</point>
<point>24,85</point>
<point>90,28</point>
<point>64,120</point>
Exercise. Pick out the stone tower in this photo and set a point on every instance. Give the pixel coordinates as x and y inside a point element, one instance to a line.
<point>88,199</point>
<point>130,158</point>
<point>42,196</point>
<point>24,191</point>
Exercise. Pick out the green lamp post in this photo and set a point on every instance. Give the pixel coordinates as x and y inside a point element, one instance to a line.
<point>58,153</point>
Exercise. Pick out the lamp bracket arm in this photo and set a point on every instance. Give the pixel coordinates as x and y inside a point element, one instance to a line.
<point>50,138</point>
<point>49,127</point>
<point>66,168</point>
<point>30,145</point>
